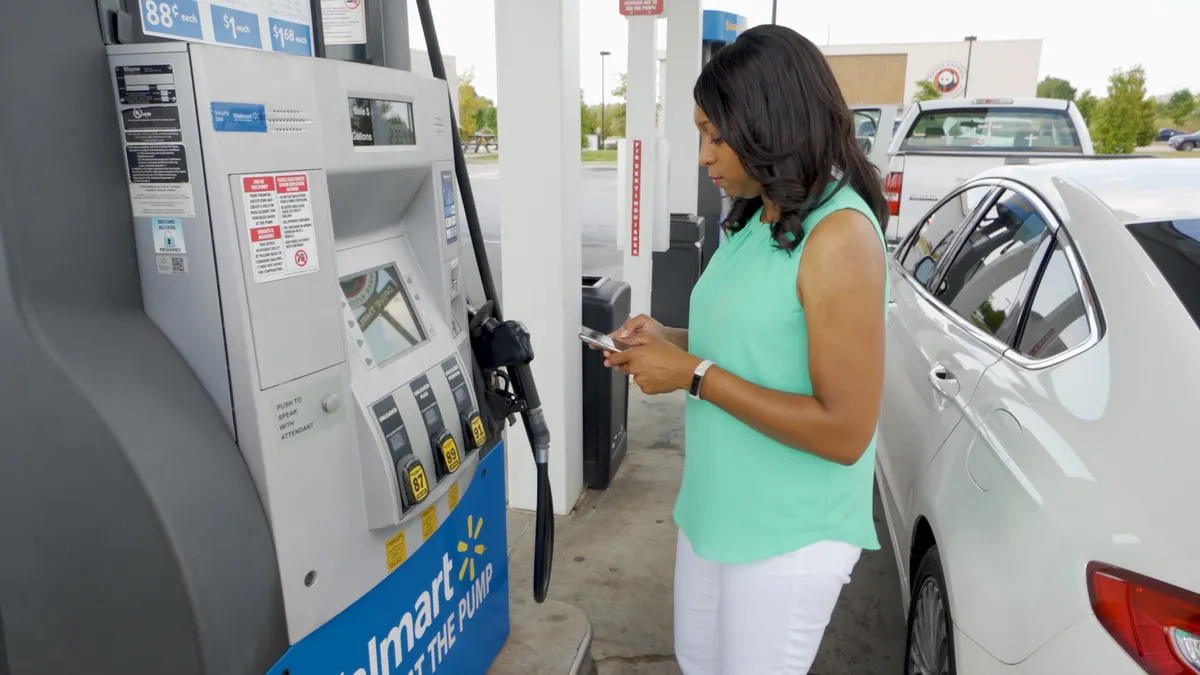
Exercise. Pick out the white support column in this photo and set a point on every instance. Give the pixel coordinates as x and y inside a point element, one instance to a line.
<point>538,91</point>
<point>684,32</point>
<point>640,135</point>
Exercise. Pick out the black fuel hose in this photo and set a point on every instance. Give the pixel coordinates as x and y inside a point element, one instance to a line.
<point>521,376</point>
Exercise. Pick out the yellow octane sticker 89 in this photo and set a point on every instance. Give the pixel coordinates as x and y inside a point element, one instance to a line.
<point>477,431</point>
<point>397,551</point>
<point>429,522</point>
<point>450,453</point>
<point>420,484</point>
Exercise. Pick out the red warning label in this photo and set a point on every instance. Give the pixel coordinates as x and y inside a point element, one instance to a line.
<point>279,218</point>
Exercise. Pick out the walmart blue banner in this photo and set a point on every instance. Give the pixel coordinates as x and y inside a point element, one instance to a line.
<point>444,610</point>
<point>722,26</point>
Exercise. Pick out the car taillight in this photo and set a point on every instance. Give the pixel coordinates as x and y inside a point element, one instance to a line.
<point>891,191</point>
<point>1156,623</point>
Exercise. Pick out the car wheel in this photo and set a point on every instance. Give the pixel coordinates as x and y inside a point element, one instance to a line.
<point>930,649</point>
<point>1186,146</point>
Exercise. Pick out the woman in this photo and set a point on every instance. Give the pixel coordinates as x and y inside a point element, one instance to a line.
<point>784,361</point>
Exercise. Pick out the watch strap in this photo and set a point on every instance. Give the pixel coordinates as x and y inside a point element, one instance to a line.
<point>698,378</point>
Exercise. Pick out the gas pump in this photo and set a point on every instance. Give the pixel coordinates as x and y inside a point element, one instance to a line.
<point>299,245</point>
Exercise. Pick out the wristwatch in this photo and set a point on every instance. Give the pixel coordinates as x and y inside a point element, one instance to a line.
<point>697,378</point>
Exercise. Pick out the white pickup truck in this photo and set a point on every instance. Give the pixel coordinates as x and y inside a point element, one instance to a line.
<point>874,127</point>
<point>940,144</point>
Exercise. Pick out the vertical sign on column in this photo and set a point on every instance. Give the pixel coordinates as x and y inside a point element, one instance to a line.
<point>635,223</point>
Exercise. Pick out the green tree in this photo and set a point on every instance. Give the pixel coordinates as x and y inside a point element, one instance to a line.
<point>1125,120</point>
<point>486,118</point>
<point>616,113</point>
<point>1087,103</point>
<point>1181,106</point>
<point>470,104</point>
<point>1056,87</point>
<point>586,125</point>
<point>925,92</point>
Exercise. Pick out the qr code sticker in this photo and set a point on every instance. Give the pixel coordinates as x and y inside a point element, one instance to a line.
<point>172,264</point>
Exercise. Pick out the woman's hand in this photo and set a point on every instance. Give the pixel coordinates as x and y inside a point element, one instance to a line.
<point>638,329</point>
<point>657,366</point>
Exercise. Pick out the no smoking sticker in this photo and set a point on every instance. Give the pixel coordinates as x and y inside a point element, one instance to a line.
<point>279,223</point>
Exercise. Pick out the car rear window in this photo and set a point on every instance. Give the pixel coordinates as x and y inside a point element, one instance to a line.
<point>1175,249</point>
<point>996,129</point>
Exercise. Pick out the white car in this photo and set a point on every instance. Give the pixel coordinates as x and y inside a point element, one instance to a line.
<point>1039,448</point>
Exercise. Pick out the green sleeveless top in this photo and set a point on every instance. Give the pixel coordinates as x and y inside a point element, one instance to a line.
<point>746,497</point>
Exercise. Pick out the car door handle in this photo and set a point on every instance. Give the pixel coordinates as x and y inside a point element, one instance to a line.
<point>943,381</point>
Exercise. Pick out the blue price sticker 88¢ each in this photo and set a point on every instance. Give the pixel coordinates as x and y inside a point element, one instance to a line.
<point>172,18</point>
<point>290,38</point>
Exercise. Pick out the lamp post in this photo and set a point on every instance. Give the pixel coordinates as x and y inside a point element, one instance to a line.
<point>600,136</point>
<point>967,76</point>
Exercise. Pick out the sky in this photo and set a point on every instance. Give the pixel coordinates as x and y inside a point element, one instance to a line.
<point>1081,42</point>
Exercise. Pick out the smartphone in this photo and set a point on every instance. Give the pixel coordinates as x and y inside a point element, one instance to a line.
<point>598,339</point>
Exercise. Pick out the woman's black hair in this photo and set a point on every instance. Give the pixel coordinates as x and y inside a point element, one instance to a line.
<point>775,101</point>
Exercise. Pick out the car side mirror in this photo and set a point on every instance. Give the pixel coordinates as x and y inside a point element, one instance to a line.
<point>924,270</point>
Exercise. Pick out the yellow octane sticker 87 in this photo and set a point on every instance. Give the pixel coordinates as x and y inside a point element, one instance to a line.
<point>420,484</point>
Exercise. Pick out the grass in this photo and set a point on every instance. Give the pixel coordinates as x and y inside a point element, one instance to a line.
<point>585,155</point>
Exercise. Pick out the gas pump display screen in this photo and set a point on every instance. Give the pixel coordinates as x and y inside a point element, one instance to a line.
<point>380,305</point>
<point>375,122</point>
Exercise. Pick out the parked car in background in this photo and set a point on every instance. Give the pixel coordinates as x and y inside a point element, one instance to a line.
<point>874,126</point>
<point>1037,454</point>
<point>1165,135</point>
<point>1185,142</point>
<point>940,144</point>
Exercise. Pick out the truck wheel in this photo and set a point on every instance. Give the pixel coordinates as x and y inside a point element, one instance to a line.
<point>930,648</point>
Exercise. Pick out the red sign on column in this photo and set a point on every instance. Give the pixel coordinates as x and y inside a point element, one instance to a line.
<point>641,7</point>
<point>635,233</point>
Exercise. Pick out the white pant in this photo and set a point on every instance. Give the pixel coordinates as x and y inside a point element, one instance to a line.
<point>760,618</point>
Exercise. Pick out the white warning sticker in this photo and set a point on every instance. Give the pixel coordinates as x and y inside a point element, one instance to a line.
<point>161,199</point>
<point>279,222</point>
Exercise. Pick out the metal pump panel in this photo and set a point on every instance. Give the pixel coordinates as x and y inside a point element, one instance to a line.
<point>297,239</point>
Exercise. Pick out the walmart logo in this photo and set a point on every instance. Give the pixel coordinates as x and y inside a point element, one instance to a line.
<point>474,526</point>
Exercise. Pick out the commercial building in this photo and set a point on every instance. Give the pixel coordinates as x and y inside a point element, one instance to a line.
<point>888,73</point>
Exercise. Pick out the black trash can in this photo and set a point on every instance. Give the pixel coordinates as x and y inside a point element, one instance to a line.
<point>606,305</point>
<point>677,270</point>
